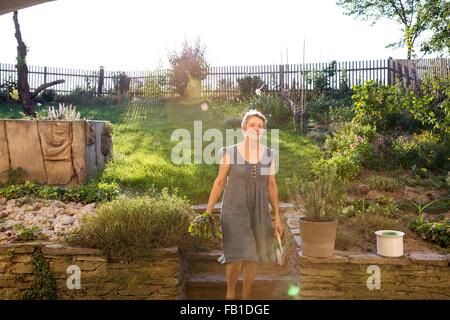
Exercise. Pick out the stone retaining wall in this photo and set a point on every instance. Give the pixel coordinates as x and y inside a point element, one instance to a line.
<point>346,276</point>
<point>158,275</point>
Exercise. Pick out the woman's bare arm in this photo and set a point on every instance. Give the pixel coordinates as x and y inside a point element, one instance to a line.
<point>219,183</point>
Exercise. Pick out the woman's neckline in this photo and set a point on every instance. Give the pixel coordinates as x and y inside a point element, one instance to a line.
<point>256,163</point>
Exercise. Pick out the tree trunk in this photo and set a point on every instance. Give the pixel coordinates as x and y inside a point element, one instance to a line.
<point>23,87</point>
<point>22,72</point>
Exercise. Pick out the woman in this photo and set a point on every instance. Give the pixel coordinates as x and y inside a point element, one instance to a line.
<point>247,171</point>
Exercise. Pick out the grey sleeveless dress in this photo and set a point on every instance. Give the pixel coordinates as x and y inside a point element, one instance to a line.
<point>246,223</point>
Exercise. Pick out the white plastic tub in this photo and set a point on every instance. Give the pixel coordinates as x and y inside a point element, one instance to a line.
<point>390,243</point>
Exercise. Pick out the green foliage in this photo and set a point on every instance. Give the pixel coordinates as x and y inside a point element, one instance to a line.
<point>424,150</point>
<point>44,286</point>
<point>431,105</point>
<point>415,17</point>
<point>383,183</point>
<point>323,198</point>
<point>382,206</point>
<point>128,226</point>
<point>26,234</point>
<point>48,95</point>
<point>88,193</point>
<point>15,175</point>
<point>324,109</point>
<point>7,88</point>
<point>346,166</point>
<point>436,231</point>
<point>368,223</point>
<point>278,114</point>
<point>348,148</point>
<point>9,254</point>
<point>439,13</point>
<point>188,68</point>
<point>376,104</point>
<point>247,86</point>
<point>440,205</point>
<point>205,227</point>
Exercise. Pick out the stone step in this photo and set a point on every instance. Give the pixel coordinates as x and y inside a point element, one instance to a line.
<point>213,287</point>
<point>206,263</point>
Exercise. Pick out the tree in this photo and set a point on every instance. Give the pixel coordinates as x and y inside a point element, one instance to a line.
<point>415,16</point>
<point>439,11</point>
<point>26,97</point>
<point>189,68</point>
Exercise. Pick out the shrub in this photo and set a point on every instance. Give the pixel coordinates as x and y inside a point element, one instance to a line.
<point>188,68</point>
<point>88,193</point>
<point>248,85</point>
<point>382,183</point>
<point>436,231</point>
<point>424,150</point>
<point>278,114</point>
<point>326,109</point>
<point>48,95</point>
<point>346,167</point>
<point>373,103</point>
<point>353,140</point>
<point>323,198</point>
<point>127,227</point>
<point>366,224</point>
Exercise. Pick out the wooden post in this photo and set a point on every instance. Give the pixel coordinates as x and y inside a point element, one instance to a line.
<point>101,80</point>
<point>389,72</point>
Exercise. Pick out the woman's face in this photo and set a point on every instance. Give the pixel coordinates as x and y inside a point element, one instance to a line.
<point>254,128</point>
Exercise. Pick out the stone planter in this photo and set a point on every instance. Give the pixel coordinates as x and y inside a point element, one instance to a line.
<point>63,153</point>
<point>390,243</point>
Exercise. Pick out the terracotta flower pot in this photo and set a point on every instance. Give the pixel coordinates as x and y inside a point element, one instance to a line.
<point>318,238</point>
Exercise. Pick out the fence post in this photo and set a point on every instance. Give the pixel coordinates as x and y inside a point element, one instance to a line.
<point>281,83</point>
<point>45,74</point>
<point>101,79</point>
<point>389,71</point>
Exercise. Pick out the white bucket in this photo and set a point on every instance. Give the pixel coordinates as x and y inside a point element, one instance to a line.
<point>390,243</point>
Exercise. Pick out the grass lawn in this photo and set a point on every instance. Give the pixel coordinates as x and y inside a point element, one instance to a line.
<point>142,146</point>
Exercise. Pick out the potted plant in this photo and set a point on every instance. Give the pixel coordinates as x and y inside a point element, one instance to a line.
<point>323,199</point>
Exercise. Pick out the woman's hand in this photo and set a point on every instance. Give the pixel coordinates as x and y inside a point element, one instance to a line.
<point>279,226</point>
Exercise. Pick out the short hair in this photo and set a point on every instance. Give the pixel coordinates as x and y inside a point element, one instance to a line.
<point>253,113</point>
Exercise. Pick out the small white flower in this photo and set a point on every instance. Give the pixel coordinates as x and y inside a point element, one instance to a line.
<point>258,92</point>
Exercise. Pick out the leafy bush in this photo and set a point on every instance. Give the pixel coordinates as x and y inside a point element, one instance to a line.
<point>436,231</point>
<point>325,109</point>
<point>247,86</point>
<point>383,183</point>
<point>88,193</point>
<point>127,227</point>
<point>48,95</point>
<point>346,167</point>
<point>421,150</point>
<point>188,68</point>
<point>26,234</point>
<point>349,147</point>
<point>278,114</point>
